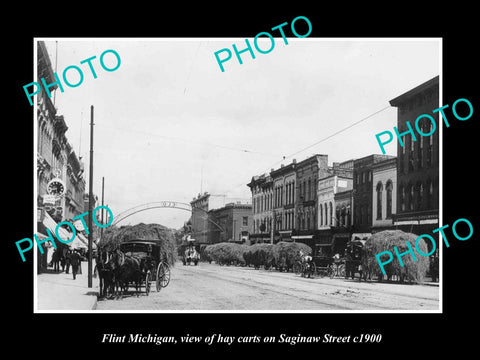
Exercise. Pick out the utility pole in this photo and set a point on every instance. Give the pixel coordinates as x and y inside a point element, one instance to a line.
<point>90,202</point>
<point>103,210</point>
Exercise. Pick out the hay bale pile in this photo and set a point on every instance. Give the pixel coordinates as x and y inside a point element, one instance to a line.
<point>282,255</point>
<point>203,254</point>
<point>226,253</point>
<point>165,237</point>
<point>412,271</point>
<point>261,255</point>
<point>289,254</point>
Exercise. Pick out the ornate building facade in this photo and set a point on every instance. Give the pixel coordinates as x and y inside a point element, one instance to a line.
<point>284,197</point>
<point>309,171</point>
<point>58,168</point>
<point>261,188</point>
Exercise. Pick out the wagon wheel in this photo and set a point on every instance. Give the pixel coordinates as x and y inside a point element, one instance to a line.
<point>341,270</point>
<point>147,282</point>
<point>163,275</point>
<point>332,269</point>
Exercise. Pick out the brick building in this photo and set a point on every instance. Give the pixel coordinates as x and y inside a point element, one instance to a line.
<point>75,182</point>
<point>284,197</point>
<point>262,205</point>
<point>309,171</point>
<point>418,161</point>
<point>235,224</point>
<point>57,166</point>
<point>384,194</point>
<point>199,219</point>
<point>363,190</point>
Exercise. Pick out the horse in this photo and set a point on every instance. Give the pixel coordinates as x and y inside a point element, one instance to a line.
<point>105,273</point>
<point>126,269</point>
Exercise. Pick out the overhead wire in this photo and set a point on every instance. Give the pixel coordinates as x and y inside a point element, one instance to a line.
<point>189,141</point>
<point>317,142</point>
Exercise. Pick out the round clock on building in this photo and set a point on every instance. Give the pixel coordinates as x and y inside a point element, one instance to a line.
<point>56,187</point>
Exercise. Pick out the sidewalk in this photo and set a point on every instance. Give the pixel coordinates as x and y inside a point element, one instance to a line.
<point>58,291</point>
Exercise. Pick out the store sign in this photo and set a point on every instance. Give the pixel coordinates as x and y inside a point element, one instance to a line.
<point>49,199</point>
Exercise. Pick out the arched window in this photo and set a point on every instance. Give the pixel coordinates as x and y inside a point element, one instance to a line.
<point>320,214</point>
<point>343,216</point>
<point>289,193</point>
<point>331,214</point>
<point>379,200</point>
<point>326,213</point>
<point>389,198</point>
<point>309,194</point>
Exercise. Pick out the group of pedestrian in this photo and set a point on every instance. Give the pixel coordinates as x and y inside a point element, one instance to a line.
<point>66,258</point>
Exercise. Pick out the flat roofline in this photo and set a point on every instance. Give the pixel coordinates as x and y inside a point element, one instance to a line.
<point>416,90</point>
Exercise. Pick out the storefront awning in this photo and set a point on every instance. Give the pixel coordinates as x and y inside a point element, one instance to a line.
<point>80,241</point>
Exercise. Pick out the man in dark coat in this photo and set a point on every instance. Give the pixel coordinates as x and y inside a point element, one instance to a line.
<point>67,260</point>
<point>75,262</point>
<point>56,260</point>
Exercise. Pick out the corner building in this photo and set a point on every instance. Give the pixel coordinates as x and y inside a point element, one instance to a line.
<point>231,223</point>
<point>418,161</point>
<point>55,160</point>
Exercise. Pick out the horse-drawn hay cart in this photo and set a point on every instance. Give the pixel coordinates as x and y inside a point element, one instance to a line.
<point>154,267</point>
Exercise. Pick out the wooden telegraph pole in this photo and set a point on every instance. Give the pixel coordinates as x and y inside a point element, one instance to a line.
<point>103,210</point>
<point>90,203</point>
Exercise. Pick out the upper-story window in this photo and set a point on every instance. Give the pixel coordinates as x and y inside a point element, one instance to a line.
<point>379,200</point>
<point>389,189</point>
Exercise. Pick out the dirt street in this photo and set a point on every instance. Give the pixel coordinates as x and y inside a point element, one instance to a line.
<point>214,287</point>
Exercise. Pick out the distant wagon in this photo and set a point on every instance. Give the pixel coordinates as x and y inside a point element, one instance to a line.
<point>189,253</point>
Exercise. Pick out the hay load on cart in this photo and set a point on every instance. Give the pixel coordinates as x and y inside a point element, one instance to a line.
<point>151,250</point>
<point>411,271</point>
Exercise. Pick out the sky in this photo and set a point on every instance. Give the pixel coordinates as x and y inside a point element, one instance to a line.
<point>169,123</point>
